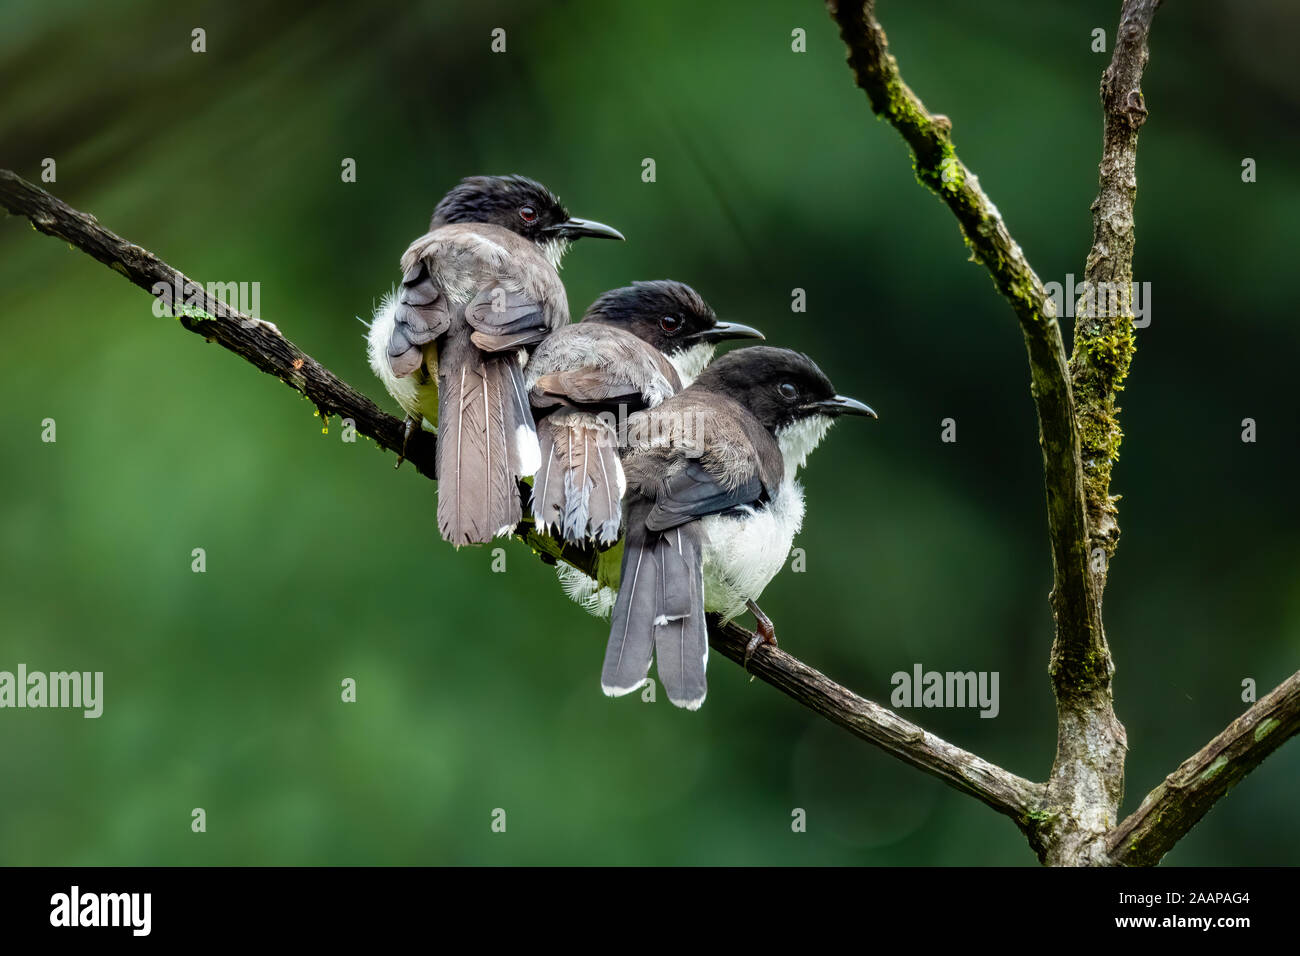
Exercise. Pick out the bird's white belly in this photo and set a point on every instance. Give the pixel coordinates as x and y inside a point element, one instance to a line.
<point>741,557</point>
<point>743,554</point>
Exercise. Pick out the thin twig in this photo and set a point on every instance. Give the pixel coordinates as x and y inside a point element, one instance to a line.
<point>1087,777</point>
<point>1003,791</point>
<point>1171,810</point>
<point>1104,342</point>
<point>251,339</point>
<point>938,167</point>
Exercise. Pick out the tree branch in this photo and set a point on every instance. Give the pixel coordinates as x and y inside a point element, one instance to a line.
<point>262,345</point>
<point>1003,791</point>
<point>938,167</point>
<point>252,340</point>
<point>1171,810</point>
<point>1087,775</point>
<point>1104,342</point>
<point>1091,744</point>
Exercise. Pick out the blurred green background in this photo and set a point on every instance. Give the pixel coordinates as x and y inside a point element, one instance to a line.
<point>480,690</point>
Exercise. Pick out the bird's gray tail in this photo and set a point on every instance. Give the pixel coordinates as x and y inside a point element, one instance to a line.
<point>579,486</point>
<point>659,612</point>
<point>486,441</point>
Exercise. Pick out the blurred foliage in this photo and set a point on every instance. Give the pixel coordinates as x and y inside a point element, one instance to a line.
<point>480,690</point>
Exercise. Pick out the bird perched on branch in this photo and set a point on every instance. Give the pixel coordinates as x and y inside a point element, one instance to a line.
<point>478,290</point>
<point>633,349</point>
<point>711,510</point>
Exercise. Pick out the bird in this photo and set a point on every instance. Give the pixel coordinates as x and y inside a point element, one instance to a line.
<point>478,290</point>
<point>711,509</point>
<point>634,347</point>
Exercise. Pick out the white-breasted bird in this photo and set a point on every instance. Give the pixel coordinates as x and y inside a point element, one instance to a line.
<point>711,509</point>
<point>478,290</point>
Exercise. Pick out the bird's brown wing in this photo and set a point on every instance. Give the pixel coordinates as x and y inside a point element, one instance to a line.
<point>588,386</point>
<point>694,492</point>
<point>725,443</point>
<point>596,367</point>
<point>504,320</point>
<point>422,314</point>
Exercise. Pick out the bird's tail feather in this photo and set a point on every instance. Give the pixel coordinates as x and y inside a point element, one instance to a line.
<point>659,613</point>
<point>579,486</point>
<point>681,637</point>
<point>486,441</point>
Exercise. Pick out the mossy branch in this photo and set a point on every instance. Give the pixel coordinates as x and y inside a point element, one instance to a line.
<point>937,165</point>
<point>1083,684</point>
<point>251,339</point>
<point>1170,810</point>
<point>1078,427</point>
<point>1104,341</point>
<point>939,168</point>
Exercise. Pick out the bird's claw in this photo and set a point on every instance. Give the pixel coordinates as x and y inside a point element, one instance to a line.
<point>412,423</point>
<point>764,632</point>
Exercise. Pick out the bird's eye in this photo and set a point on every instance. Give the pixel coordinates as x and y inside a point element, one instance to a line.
<point>670,323</point>
<point>527,213</point>
<point>788,391</point>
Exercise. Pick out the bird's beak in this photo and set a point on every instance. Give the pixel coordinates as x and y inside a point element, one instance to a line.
<point>843,405</point>
<point>726,330</point>
<point>575,228</point>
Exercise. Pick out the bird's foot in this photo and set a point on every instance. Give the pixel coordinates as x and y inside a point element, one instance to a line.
<point>412,423</point>
<point>765,632</point>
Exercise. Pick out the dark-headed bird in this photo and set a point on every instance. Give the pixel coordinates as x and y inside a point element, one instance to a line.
<point>478,290</point>
<point>711,509</point>
<point>632,350</point>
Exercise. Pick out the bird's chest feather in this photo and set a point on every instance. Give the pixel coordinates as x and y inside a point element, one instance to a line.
<point>743,552</point>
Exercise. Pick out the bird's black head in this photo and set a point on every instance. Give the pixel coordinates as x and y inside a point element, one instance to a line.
<point>778,386</point>
<point>669,315</point>
<point>517,203</point>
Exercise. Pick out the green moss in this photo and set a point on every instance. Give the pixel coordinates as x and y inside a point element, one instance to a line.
<point>1103,355</point>
<point>899,104</point>
<point>1213,770</point>
<point>194,312</point>
<point>1266,728</point>
<point>1094,669</point>
<point>1111,354</point>
<point>941,170</point>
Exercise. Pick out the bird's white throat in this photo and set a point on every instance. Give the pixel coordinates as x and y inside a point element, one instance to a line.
<point>554,250</point>
<point>691,362</point>
<point>799,439</point>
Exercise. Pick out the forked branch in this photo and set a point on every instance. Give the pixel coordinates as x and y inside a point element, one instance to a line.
<point>1069,819</point>
<point>1171,810</point>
